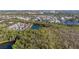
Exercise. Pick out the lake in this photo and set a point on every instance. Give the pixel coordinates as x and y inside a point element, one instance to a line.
<point>68,22</point>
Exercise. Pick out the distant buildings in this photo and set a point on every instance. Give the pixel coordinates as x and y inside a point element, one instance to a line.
<point>37,16</point>
<point>19,26</point>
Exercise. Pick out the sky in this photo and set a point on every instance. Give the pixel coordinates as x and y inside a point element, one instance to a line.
<point>39,4</point>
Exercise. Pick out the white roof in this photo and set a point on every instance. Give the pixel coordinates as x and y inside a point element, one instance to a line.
<point>19,26</point>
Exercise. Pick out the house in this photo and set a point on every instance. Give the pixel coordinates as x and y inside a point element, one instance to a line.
<point>19,26</point>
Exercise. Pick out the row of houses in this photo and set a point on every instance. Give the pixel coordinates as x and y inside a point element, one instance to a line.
<point>46,18</point>
<point>19,26</point>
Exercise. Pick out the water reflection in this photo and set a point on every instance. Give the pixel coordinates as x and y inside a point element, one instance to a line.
<point>69,22</point>
<point>7,45</point>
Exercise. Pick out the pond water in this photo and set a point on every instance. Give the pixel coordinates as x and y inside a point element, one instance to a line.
<point>35,26</point>
<point>7,45</point>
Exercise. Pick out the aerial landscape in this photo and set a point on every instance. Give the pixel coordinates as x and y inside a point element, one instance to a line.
<point>39,29</point>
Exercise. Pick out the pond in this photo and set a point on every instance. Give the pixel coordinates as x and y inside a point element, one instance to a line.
<point>7,45</point>
<point>36,26</point>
